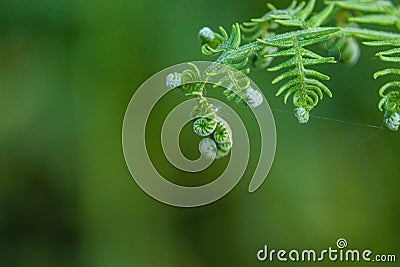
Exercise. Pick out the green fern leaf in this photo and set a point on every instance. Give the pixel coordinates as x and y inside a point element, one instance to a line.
<point>300,16</point>
<point>318,19</point>
<point>303,84</point>
<point>386,72</point>
<point>389,92</point>
<point>306,12</point>
<point>368,34</point>
<point>375,19</point>
<point>363,5</point>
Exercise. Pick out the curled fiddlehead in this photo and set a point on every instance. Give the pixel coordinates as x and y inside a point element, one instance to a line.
<point>206,120</point>
<point>219,137</point>
<point>204,126</point>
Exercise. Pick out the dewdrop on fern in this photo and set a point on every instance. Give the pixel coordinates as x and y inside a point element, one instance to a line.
<point>206,35</point>
<point>302,115</point>
<point>253,97</point>
<point>174,80</point>
<point>392,121</point>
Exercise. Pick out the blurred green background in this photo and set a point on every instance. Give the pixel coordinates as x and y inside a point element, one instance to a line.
<point>67,72</point>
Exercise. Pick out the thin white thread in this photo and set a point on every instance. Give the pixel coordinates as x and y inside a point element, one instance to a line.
<point>372,135</point>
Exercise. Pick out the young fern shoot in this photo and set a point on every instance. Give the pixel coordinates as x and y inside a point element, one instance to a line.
<point>292,33</point>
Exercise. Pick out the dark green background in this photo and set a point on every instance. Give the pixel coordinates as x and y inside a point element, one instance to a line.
<point>67,72</point>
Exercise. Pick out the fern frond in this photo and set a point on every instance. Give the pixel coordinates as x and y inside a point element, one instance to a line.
<point>383,12</point>
<point>223,42</point>
<point>379,19</point>
<point>262,41</point>
<point>259,27</point>
<point>303,84</point>
<point>229,70</point>
<point>368,34</point>
<point>389,92</point>
<point>296,15</point>
<point>236,83</point>
<point>390,55</point>
<point>320,18</point>
<point>363,5</point>
<point>300,15</point>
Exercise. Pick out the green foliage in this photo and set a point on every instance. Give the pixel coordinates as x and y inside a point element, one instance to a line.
<point>299,15</point>
<point>290,33</point>
<point>260,28</point>
<point>383,12</point>
<point>221,43</point>
<point>229,70</point>
<point>303,83</point>
<point>389,92</point>
<point>206,122</point>
<point>363,5</point>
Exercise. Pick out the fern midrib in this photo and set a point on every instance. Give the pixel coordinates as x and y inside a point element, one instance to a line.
<point>300,66</point>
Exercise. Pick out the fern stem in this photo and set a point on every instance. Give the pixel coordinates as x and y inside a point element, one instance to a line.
<point>300,66</point>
